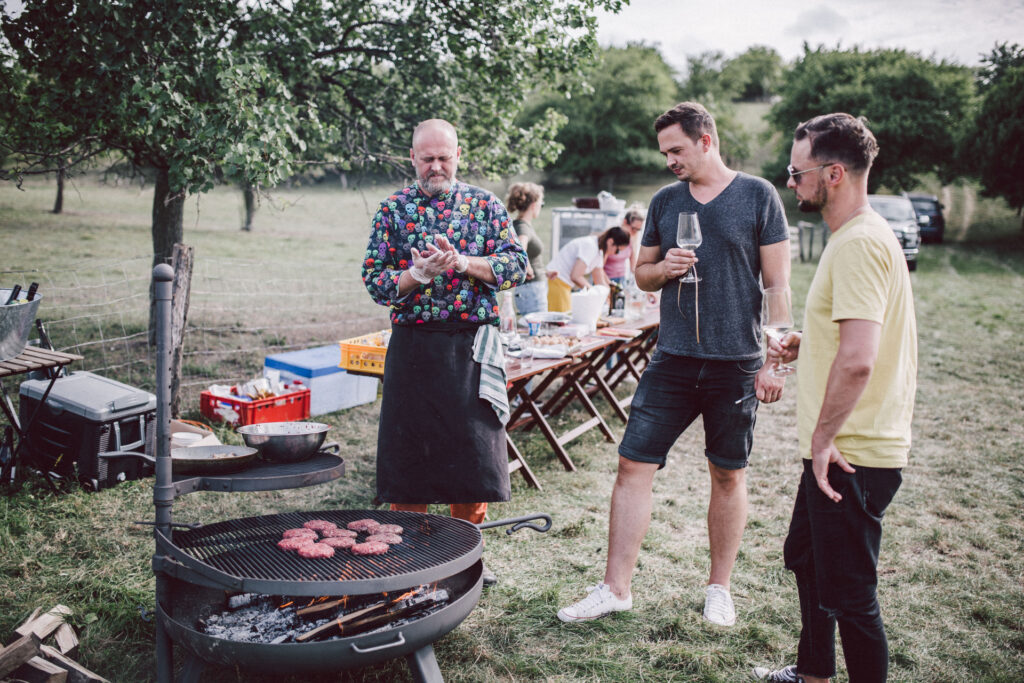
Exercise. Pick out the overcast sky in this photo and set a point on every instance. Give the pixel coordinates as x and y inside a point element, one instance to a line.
<point>956,30</point>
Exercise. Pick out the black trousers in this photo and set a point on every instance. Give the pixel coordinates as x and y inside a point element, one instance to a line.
<point>832,548</point>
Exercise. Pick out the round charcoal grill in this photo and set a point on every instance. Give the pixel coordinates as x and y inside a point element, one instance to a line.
<point>414,640</point>
<point>242,554</point>
<point>196,569</point>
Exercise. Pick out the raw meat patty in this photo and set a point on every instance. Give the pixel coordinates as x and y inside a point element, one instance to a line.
<point>316,550</point>
<point>295,542</point>
<point>339,541</point>
<point>363,525</point>
<point>329,533</point>
<point>291,533</point>
<point>371,548</point>
<point>390,539</point>
<point>320,524</point>
<point>388,529</point>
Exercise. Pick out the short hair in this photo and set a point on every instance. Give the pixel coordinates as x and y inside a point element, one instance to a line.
<point>617,235</point>
<point>522,195</point>
<point>840,137</point>
<point>692,117</point>
<point>634,212</point>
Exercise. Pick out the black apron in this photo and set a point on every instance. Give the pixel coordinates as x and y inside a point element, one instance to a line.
<point>438,441</point>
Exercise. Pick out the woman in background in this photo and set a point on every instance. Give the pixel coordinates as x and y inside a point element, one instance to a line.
<point>525,200</point>
<point>616,262</point>
<point>577,259</point>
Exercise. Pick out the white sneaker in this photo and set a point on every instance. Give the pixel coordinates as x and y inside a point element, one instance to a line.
<point>718,607</point>
<point>599,603</point>
<point>786,674</point>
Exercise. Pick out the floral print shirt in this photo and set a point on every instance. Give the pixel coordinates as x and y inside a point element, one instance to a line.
<point>475,222</point>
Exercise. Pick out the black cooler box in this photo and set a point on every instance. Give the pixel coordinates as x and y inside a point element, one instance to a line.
<point>85,415</point>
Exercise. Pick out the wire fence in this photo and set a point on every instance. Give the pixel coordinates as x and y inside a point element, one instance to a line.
<point>237,316</point>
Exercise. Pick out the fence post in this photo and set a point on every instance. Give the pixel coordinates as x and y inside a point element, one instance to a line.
<point>182,264</point>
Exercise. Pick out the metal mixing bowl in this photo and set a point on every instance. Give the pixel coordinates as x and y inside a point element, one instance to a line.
<point>285,441</point>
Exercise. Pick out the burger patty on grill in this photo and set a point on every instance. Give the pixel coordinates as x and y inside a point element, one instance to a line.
<point>291,533</point>
<point>339,541</point>
<point>329,533</point>
<point>316,551</point>
<point>295,542</point>
<point>378,537</point>
<point>370,548</point>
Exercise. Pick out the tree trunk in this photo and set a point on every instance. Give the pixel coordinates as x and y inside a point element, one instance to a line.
<point>168,214</point>
<point>249,192</point>
<point>58,204</point>
<point>182,263</point>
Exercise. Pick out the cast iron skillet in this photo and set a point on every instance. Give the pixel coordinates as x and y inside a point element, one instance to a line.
<point>216,459</point>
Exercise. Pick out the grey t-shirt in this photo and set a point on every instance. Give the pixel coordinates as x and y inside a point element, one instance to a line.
<point>745,216</point>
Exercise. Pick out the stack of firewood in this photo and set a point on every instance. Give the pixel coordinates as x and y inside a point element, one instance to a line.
<point>28,658</point>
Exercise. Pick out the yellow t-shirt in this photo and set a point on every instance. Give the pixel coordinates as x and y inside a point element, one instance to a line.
<point>862,275</point>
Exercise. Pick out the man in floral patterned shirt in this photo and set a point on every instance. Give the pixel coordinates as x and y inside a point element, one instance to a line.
<point>440,250</point>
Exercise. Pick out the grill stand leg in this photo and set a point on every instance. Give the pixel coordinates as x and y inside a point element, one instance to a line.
<point>164,646</point>
<point>192,669</point>
<point>423,665</point>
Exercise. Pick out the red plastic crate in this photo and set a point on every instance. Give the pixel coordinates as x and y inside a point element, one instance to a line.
<point>283,408</point>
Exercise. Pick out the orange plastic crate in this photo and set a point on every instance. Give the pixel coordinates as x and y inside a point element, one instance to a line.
<point>364,354</point>
<point>283,408</point>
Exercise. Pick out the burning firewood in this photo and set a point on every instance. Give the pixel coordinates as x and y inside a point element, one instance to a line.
<point>339,623</point>
<point>371,617</point>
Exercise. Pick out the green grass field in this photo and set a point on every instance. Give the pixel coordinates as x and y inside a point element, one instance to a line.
<point>952,577</point>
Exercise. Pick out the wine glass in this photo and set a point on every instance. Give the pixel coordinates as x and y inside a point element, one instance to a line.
<point>688,237</point>
<point>777,320</point>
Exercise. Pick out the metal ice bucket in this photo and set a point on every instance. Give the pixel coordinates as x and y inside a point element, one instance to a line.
<point>15,325</point>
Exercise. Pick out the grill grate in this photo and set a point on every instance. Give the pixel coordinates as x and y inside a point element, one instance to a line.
<point>247,547</point>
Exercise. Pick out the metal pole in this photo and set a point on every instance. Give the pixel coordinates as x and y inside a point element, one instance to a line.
<point>163,490</point>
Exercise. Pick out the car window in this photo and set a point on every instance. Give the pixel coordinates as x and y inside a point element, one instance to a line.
<point>893,209</point>
<point>923,204</point>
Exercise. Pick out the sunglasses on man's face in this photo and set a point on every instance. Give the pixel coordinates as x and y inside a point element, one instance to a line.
<point>795,174</point>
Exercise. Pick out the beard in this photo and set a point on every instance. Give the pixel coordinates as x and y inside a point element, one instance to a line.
<point>814,203</point>
<point>435,184</point>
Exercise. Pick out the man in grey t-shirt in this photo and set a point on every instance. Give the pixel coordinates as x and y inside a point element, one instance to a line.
<point>708,359</point>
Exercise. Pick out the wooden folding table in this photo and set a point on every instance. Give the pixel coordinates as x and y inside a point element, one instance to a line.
<point>519,375</point>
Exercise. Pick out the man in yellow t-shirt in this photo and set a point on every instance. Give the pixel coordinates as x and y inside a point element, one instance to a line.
<point>855,400</point>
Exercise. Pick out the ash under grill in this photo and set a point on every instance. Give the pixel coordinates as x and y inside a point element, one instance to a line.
<point>247,548</point>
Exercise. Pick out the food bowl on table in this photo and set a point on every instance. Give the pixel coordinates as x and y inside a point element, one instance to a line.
<point>285,441</point>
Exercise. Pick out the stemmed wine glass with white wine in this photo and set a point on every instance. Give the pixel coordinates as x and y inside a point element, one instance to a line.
<point>688,237</point>
<point>777,320</point>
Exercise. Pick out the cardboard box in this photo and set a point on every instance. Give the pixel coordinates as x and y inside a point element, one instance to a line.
<point>331,388</point>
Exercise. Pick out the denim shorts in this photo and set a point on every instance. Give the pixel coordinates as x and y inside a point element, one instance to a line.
<point>532,296</point>
<point>674,390</point>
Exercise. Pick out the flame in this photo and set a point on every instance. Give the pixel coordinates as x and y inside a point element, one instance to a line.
<point>287,604</point>
<point>403,596</point>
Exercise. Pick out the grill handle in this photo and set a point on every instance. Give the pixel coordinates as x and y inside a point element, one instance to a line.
<point>363,650</point>
<point>520,523</point>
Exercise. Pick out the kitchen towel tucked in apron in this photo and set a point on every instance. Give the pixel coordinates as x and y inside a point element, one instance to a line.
<point>488,353</point>
<point>438,441</point>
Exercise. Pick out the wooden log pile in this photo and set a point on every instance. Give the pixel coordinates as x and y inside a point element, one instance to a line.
<point>27,657</point>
